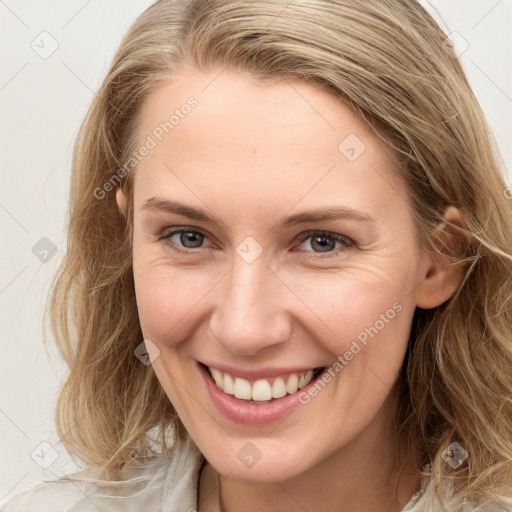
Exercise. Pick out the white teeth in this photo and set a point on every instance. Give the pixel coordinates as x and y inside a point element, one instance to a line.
<point>261,390</point>
<point>278,388</point>
<point>293,384</point>
<point>242,389</point>
<point>217,377</point>
<point>227,385</point>
<point>304,379</point>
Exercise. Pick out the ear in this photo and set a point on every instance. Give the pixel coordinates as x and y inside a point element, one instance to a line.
<point>121,201</point>
<point>442,276</point>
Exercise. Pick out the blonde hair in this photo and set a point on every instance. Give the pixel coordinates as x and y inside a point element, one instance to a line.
<point>388,62</point>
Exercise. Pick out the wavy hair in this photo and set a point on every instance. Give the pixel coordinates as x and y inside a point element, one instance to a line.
<point>389,62</point>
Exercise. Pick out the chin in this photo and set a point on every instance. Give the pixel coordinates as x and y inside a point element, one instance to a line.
<point>259,461</point>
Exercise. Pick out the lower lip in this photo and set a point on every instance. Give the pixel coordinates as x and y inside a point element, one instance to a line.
<point>250,413</point>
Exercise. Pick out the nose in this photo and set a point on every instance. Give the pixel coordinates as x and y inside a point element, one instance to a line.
<point>250,313</point>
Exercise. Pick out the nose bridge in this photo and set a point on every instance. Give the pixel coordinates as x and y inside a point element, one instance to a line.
<point>249,315</point>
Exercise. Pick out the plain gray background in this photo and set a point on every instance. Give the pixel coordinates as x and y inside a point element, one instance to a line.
<point>43,99</point>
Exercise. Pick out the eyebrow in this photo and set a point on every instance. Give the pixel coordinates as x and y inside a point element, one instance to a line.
<point>306,217</point>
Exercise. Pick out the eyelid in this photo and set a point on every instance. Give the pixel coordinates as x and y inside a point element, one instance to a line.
<point>169,232</point>
<point>347,242</point>
<point>337,236</point>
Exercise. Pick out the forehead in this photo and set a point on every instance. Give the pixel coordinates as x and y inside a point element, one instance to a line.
<point>256,113</point>
<point>266,140</point>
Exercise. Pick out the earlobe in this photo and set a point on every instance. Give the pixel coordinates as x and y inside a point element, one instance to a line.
<point>442,275</point>
<point>121,201</point>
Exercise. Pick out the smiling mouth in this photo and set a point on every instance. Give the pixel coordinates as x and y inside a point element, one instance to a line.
<point>262,390</point>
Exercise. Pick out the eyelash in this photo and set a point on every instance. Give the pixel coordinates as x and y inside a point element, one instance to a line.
<point>346,242</point>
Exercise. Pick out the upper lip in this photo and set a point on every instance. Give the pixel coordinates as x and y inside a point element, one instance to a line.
<point>255,374</point>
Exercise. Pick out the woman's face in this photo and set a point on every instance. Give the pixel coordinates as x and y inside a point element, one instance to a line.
<point>271,276</point>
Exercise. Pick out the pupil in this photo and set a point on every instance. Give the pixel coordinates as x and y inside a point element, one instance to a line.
<point>321,241</point>
<point>322,246</point>
<point>189,236</point>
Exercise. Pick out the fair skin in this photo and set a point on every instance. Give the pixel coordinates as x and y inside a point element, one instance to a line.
<point>250,154</point>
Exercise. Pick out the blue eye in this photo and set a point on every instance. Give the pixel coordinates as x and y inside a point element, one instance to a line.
<point>322,243</point>
<point>188,238</point>
<point>325,242</point>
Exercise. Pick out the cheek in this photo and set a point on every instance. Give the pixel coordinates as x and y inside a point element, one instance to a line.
<point>168,299</point>
<point>365,324</point>
<point>361,311</point>
<point>356,306</point>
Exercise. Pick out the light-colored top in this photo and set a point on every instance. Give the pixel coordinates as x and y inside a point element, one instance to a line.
<point>162,484</point>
